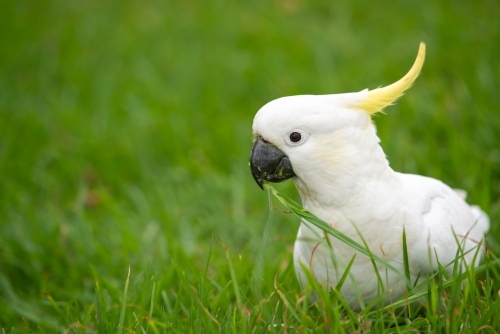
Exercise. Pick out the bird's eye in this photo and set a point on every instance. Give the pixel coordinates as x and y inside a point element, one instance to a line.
<point>296,137</point>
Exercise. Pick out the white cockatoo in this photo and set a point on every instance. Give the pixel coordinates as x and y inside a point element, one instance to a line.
<point>328,145</point>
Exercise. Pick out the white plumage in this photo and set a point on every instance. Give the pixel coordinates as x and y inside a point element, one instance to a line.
<point>344,178</point>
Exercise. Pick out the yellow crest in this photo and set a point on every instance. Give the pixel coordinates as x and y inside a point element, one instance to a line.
<point>380,98</point>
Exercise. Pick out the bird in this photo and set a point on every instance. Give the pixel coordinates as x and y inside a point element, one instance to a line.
<point>328,146</point>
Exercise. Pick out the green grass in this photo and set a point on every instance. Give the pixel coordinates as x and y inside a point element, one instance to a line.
<point>126,201</point>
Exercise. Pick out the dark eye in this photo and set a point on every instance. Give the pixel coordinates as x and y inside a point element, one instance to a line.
<point>295,137</point>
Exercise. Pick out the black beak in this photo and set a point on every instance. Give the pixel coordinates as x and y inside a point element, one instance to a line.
<point>269,163</point>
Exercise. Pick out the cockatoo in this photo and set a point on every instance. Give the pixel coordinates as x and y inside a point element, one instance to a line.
<point>328,145</point>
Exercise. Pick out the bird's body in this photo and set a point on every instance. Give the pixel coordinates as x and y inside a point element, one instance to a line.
<point>328,145</point>
<point>427,209</point>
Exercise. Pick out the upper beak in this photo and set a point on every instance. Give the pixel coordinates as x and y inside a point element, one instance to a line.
<point>269,163</point>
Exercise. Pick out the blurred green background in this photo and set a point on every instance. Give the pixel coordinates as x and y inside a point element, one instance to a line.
<point>126,130</point>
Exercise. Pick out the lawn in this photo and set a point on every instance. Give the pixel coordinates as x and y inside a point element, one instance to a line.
<point>126,200</point>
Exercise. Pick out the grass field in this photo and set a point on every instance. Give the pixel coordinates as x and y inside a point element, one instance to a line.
<point>126,201</point>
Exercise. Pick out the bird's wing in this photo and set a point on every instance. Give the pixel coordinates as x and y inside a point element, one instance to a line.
<point>445,223</point>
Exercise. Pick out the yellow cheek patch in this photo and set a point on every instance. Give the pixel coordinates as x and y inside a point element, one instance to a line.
<point>380,98</point>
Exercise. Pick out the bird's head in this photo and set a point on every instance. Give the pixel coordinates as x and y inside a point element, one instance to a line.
<point>293,133</point>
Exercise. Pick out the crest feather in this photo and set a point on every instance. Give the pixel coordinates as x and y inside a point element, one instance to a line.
<point>380,98</point>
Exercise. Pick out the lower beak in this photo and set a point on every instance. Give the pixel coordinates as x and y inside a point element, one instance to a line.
<point>269,163</point>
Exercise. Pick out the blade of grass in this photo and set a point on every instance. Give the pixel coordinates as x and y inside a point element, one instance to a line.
<point>406,264</point>
<point>124,302</point>
<point>286,302</point>
<point>346,272</point>
<point>150,315</point>
<point>166,301</point>
<point>102,316</point>
<point>233,277</point>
